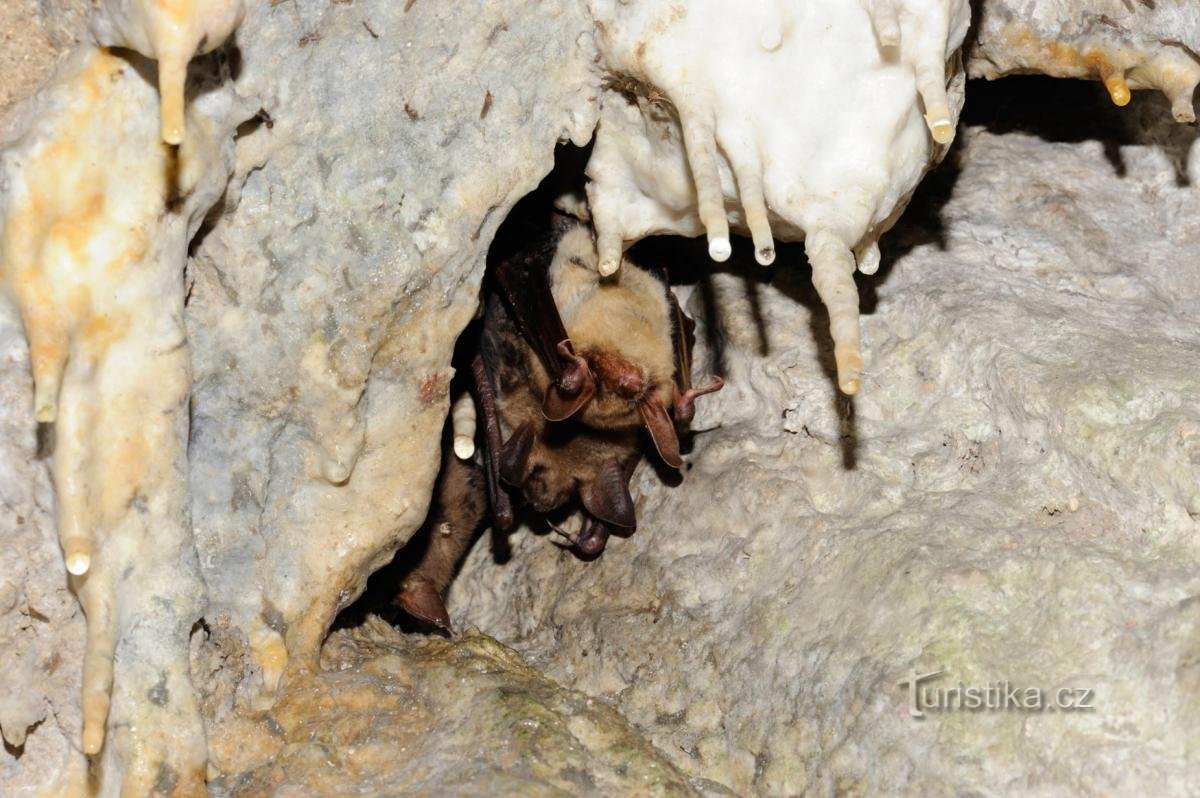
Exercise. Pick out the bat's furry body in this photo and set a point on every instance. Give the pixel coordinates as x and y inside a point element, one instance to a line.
<point>571,369</point>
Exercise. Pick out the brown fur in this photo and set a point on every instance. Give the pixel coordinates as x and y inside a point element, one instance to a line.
<point>620,325</point>
<point>460,504</point>
<point>624,328</point>
<point>565,455</point>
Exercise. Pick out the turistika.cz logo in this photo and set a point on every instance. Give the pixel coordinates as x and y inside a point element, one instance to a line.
<point>1002,696</point>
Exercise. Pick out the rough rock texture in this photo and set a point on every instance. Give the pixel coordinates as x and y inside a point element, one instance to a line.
<point>41,624</point>
<point>684,148</point>
<point>327,296</point>
<point>26,52</point>
<point>407,715</point>
<point>92,252</point>
<point>322,317</point>
<point>1013,496</point>
<point>1022,503</point>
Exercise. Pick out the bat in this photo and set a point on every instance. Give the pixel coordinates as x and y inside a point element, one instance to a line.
<point>573,373</point>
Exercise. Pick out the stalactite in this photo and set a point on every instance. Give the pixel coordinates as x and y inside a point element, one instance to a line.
<point>699,131</point>
<point>172,32</point>
<point>96,215</point>
<point>1125,46</point>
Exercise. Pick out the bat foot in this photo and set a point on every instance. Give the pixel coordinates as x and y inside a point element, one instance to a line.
<point>421,599</point>
<point>569,540</point>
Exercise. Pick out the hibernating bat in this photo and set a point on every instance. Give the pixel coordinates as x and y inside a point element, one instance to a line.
<point>574,374</point>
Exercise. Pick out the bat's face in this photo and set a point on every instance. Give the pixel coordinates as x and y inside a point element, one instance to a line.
<point>621,328</point>
<point>547,488</point>
<point>622,385</point>
<point>582,371</point>
<point>567,460</point>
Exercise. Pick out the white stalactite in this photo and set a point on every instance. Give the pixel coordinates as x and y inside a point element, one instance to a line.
<point>462,420</point>
<point>1126,46</point>
<point>784,120</point>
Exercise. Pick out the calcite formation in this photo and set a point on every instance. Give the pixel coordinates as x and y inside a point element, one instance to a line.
<point>96,217</point>
<point>1122,43</point>
<point>242,381</point>
<point>327,299</point>
<point>42,632</point>
<point>172,32</point>
<point>1015,499</point>
<point>686,144</point>
<point>384,701</point>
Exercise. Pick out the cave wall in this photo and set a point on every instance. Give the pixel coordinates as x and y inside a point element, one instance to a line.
<point>376,154</point>
<point>326,296</point>
<point>1012,495</point>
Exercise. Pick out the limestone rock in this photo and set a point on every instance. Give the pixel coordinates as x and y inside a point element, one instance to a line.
<point>1022,503</point>
<point>402,715</point>
<point>41,625</point>
<point>328,293</point>
<point>1013,495</point>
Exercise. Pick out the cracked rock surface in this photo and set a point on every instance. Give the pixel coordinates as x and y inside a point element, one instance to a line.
<point>327,295</point>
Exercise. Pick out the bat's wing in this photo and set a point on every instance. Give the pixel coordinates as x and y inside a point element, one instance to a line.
<point>525,285</point>
<point>485,394</point>
<point>514,455</point>
<point>683,337</point>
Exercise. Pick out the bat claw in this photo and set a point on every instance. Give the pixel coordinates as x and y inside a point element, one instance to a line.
<point>572,540</point>
<point>588,542</point>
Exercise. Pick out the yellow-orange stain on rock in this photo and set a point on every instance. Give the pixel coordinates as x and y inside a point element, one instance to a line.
<point>1120,68</point>
<point>85,201</point>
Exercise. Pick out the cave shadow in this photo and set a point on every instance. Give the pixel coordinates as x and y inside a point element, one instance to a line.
<point>383,586</point>
<point>1064,111</point>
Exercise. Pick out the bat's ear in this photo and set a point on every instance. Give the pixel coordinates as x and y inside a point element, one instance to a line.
<point>514,455</point>
<point>421,599</point>
<point>662,430</point>
<point>572,389</point>
<point>608,499</point>
<point>559,405</point>
<point>685,403</point>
